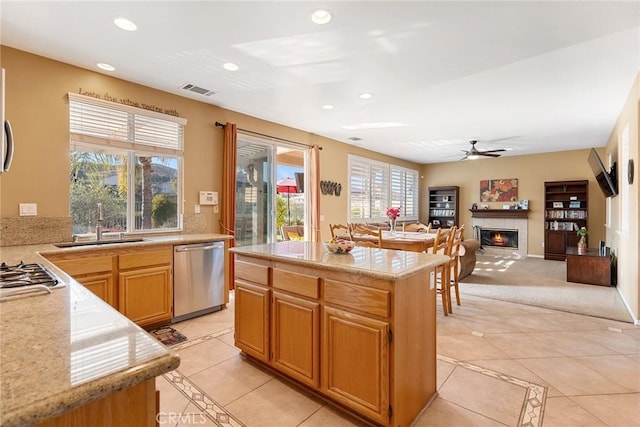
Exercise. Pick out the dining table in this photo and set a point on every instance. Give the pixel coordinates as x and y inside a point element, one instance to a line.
<point>402,240</point>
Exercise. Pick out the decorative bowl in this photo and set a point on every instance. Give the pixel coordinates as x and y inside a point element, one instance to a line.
<point>340,247</point>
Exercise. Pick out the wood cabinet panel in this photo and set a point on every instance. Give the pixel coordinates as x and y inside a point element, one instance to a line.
<point>296,283</point>
<point>102,285</point>
<point>134,406</point>
<point>368,300</point>
<point>295,331</point>
<point>252,319</point>
<point>145,295</point>
<point>252,272</point>
<point>85,265</point>
<point>145,258</point>
<point>355,362</point>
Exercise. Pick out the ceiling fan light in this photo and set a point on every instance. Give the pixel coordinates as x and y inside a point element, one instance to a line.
<point>473,157</point>
<point>321,16</point>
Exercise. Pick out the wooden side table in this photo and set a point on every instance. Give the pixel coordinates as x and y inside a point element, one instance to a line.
<point>589,267</point>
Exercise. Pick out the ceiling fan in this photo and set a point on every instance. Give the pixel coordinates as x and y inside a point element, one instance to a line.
<point>474,153</point>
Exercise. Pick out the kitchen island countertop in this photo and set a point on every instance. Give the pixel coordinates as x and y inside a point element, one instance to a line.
<point>380,263</point>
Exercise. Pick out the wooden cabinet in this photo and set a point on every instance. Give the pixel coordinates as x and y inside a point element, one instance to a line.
<point>295,337</point>
<point>136,281</point>
<point>443,206</point>
<point>94,271</point>
<point>590,267</point>
<point>355,362</point>
<point>340,334</point>
<point>145,288</point>
<point>566,211</point>
<point>252,332</point>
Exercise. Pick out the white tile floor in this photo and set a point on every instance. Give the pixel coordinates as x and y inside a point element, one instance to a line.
<point>500,364</point>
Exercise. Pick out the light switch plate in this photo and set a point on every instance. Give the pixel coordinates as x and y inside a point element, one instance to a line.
<point>28,209</point>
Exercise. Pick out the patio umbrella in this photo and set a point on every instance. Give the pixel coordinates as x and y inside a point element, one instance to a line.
<point>288,186</point>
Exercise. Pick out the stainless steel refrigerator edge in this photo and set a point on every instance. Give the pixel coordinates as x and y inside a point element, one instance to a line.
<point>198,279</point>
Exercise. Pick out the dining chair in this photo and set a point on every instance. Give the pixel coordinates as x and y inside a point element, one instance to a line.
<point>337,230</point>
<point>455,262</point>
<point>365,236</point>
<point>442,244</point>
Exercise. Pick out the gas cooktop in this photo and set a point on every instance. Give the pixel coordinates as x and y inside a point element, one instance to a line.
<point>24,278</point>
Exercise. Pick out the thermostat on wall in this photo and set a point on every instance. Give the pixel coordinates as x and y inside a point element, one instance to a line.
<point>208,197</point>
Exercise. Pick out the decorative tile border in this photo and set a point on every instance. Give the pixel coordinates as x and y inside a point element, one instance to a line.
<point>199,340</point>
<point>535,399</point>
<point>209,407</point>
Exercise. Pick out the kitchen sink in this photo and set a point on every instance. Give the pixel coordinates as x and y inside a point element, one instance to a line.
<point>106,241</point>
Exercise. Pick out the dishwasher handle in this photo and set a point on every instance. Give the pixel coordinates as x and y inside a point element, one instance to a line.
<point>198,248</point>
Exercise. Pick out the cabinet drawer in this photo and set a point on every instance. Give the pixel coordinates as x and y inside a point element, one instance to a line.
<point>296,283</point>
<point>252,272</point>
<point>145,258</point>
<point>88,265</point>
<point>368,300</point>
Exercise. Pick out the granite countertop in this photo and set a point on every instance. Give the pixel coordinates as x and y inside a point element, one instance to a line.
<point>61,350</point>
<point>381,263</point>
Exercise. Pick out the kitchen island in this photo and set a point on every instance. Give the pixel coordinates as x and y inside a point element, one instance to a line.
<point>358,328</point>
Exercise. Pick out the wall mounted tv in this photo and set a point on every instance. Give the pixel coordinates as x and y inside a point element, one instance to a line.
<point>608,181</point>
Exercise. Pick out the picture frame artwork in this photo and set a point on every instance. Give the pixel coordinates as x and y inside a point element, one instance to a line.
<point>499,190</point>
<point>558,205</point>
<point>574,204</point>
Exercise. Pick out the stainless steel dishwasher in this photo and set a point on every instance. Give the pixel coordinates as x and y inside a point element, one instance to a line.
<point>198,279</point>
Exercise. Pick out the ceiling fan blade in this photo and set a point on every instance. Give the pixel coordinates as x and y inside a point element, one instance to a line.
<point>493,151</point>
<point>487,154</point>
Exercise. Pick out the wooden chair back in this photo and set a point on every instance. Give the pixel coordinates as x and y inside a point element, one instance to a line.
<point>442,242</point>
<point>338,230</point>
<point>364,236</point>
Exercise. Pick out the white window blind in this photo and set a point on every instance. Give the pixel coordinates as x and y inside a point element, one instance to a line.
<point>375,186</point>
<point>98,121</point>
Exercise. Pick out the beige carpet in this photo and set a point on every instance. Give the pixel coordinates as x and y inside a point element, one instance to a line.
<point>538,282</point>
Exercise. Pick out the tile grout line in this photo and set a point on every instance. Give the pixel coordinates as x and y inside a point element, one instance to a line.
<point>535,399</point>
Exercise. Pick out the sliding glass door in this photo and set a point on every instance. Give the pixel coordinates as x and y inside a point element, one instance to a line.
<point>269,190</point>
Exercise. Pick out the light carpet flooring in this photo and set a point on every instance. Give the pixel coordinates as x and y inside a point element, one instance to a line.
<point>499,364</point>
<point>542,283</point>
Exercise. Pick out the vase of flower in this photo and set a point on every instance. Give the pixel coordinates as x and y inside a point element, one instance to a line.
<point>393,214</point>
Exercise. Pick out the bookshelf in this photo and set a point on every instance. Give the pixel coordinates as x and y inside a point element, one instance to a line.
<point>443,206</point>
<point>566,209</point>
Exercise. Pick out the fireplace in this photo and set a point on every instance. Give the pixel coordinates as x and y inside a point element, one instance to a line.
<point>499,238</point>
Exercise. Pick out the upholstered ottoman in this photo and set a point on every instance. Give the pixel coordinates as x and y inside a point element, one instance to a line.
<point>467,261</point>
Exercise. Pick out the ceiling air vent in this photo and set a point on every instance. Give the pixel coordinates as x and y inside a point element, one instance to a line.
<point>197,89</point>
<point>355,138</point>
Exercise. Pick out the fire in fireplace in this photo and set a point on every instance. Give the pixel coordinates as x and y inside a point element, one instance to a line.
<point>499,238</point>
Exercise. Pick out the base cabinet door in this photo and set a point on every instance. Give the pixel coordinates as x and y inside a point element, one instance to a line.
<point>555,245</point>
<point>101,285</point>
<point>145,295</point>
<point>355,362</point>
<point>252,319</point>
<point>295,331</point>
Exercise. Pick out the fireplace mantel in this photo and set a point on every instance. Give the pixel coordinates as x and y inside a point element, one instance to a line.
<point>499,213</point>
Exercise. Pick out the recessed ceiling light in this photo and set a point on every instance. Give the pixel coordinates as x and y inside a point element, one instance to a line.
<point>321,16</point>
<point>230,66</point>
<point>328,107</point>
<point>366,95</point>
<point>106,67</point>
<point>125,24</point>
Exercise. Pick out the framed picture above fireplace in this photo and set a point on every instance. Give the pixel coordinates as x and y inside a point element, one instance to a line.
<point>499,190</point>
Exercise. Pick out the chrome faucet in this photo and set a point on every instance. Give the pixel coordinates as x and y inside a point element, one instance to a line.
<point>99,225</point>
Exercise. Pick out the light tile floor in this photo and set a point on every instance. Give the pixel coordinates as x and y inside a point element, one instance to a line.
<point>499,364</point>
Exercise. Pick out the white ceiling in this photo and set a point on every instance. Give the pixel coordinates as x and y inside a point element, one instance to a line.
<point>529,77</point>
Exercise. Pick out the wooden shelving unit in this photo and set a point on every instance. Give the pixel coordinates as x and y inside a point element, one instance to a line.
<point>443,206</point>
<point>566,209</point>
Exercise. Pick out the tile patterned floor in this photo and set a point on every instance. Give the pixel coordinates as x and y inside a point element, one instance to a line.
<point>499,364</point>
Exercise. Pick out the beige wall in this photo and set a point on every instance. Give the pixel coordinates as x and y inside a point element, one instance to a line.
<point>626,243</point>
<point>531,171</point>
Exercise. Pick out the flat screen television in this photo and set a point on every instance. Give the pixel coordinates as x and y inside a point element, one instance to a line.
<point>608,181</point>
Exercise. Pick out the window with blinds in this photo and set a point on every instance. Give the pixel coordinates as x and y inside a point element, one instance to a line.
<point>375,186</point>
<point>128,161</point>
